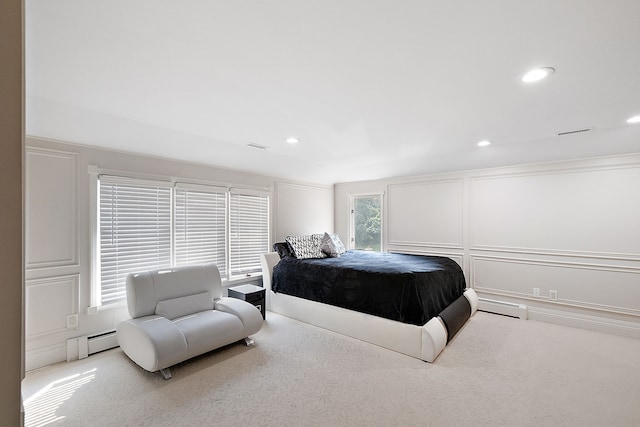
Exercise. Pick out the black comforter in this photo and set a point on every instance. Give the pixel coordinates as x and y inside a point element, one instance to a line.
<point>407,288</point>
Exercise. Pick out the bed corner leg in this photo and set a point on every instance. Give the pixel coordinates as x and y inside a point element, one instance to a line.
<point>434,339</point>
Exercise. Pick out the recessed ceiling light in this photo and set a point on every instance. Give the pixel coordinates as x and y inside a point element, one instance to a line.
<point>537,74</point>
<point>484,143</point>
<point>634,119</point>
<point>292,140</point>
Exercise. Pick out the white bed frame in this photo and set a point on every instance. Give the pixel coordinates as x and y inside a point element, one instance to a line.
<point>423,342</point>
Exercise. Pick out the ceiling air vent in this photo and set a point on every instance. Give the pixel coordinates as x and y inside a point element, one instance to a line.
<point>570,132</point>
<point>258,146</point>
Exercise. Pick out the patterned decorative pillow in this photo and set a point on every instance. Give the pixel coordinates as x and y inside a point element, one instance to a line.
<point>332,245</point>
<point>305,247</point>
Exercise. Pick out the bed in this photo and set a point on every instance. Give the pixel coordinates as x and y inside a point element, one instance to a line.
<point>354,295</point>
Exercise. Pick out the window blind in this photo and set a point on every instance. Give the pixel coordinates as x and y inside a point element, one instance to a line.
<point>200,228</point>
<point>249,232</point>
<point>135,232</point>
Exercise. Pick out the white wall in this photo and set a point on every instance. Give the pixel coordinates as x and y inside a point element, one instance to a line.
<point>302,209</point>
<point>58,239</point>
<point>570,227</point>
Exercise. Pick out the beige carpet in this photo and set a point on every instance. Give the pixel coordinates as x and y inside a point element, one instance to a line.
<point>498,371</point>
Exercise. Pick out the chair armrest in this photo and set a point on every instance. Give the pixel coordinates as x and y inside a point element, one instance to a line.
<point>248,313</point>
<point>153,342</point>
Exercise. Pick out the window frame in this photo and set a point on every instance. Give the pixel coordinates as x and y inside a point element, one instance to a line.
<point>352,206</point>
<point>228,280</point>
<point>265,239</point>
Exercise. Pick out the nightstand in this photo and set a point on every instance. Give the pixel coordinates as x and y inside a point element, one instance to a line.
<point>252,294</point>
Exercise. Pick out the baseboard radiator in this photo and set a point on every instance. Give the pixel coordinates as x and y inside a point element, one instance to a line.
<point>81,347</point>
<point>503,307</point>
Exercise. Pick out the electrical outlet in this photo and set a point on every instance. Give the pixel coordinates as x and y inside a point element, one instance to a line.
<point>72,321</point>
<point>553,295</point>
<point>536,292</point>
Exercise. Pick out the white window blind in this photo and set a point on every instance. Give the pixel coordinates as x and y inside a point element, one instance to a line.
<point>135,232</point>
<point>249,232</point>
<point>200,227</point>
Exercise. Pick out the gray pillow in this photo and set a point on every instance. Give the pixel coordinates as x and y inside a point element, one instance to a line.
<point>332,245</point>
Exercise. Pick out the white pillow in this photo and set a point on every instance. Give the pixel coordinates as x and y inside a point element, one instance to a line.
<point>305,247</point>
<point>332,245</point>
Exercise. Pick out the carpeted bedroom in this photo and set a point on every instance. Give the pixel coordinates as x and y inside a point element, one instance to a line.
<point>497,371</point>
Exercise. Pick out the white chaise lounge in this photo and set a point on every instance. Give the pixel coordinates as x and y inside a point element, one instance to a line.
<point>180,313</point>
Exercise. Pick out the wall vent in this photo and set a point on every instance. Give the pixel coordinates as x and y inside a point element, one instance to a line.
<point>258,146</point>
<point>571,132</point>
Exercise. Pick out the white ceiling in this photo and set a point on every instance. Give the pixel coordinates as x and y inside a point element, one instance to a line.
<point>372,89</point>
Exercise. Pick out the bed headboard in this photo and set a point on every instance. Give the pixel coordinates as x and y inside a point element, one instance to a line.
<point>268,261</point>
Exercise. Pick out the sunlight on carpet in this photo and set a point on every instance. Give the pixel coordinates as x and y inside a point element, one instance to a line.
<point>41,408</point>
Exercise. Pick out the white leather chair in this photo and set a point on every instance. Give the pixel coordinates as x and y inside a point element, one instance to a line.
<point>180,313</point>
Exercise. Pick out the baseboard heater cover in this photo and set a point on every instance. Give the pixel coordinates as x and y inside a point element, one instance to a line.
<point>82,347</point>
<point>503,307</point>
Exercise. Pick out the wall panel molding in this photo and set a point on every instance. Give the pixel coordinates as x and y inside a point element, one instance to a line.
<point>578,284</point>
<point>558,253</point>
<point>48,301</point>
<point>583,211</point>
<point>51,210</point>
<point>426,245</point>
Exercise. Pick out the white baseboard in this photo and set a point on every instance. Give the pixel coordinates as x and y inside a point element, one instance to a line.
<point>584,321</point>
<point>72,349</point>
<point>45,356</point>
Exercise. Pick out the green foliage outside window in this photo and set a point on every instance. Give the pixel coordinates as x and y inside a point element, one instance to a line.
<point>367,223</point>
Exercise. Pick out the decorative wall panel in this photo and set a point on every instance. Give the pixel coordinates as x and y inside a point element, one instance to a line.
<point>589,212</point>
<point>603,287</point>
<point>51,209</point>
<point>48,302</point>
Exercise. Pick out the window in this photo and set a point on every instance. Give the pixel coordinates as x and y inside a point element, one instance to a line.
<point>148,225</point>
<point>249,225</point>
<point>135,232</point>
<point>366,223</point>
<point>200,227</point>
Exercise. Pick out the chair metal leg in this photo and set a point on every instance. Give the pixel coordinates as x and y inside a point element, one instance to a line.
<point>248,342</point>
<point>166,373</point>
